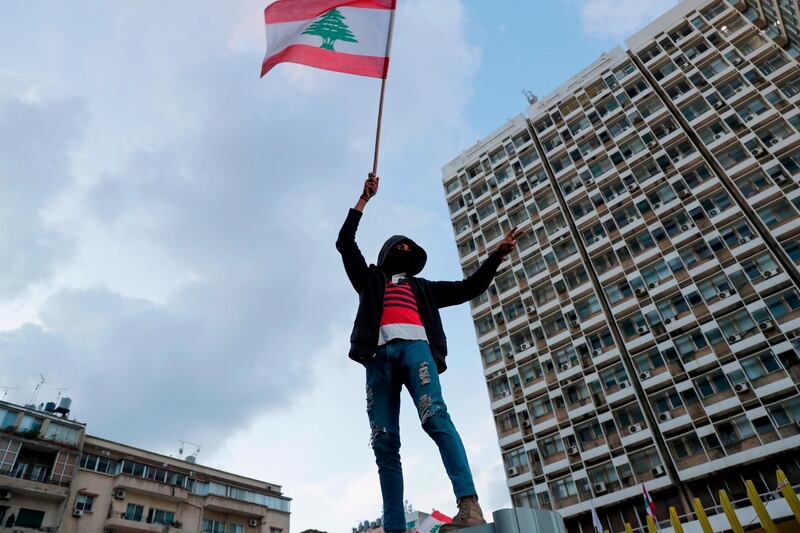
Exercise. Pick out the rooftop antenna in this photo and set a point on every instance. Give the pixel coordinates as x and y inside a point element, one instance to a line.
<point>532,98</point>
<point>36,390</point>
<point>192,457</point>
<point>5,391</point>
<point>59,389</point>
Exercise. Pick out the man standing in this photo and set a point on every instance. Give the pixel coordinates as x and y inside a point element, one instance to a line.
<point>398,337</point>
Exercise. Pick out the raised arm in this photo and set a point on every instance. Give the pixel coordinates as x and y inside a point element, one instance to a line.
<point>354,264</point>
<point>457,292</point>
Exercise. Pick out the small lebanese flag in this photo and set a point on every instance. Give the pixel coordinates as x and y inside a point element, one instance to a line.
<point>433,523</point>
<point>650,506</point>
<point>350,36</point>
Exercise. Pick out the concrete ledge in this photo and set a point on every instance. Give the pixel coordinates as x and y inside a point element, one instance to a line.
<point>522,520</point>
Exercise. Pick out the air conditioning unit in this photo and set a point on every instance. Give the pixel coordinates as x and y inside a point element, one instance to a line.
<point>713,212</point>
<point>253,522</point>
<point>596,352</point>
<point>633,186</point>
<point>755,152</point>
<point>631,220</point>
<point>645,375</point>
<point>734,338</point>
<point>718,104</point>
<point>656,205</point>
<point>780,179</point>
<point>769,273</point>
<point>531,310</point>
<point>5,494</point>
<point>598,238</point>
<point>119,494</point>
<point>600,488</point>
<point>749,118</point>
<point>623,384</point>
<point>526,423</point>
<point>573,323</point>
<point>565,366</point>
<point>775,140</point>
<point>685,227</point>
<point>464,228</point>
<point>505,394</point>
<point>657,471</point>
<point>717,137</point>
<point>641,330</point>
<point>639,291</point>
<point>684,193</point>
<point>738,89</point>
<point>634,428</point>
<point>745,239</point>
<point>77,513</point>
<point>667,320</point>
<point>741,387</point>
<point>492,182</point>
<point>663,417</point>
<point>766,325</point>
<point>512,471</point>
<point>676,159</point>
<point>723,294</point>
<point>573,450</point>
<point>524,346</point>
<point>651,285</point>
<point>469,202</point>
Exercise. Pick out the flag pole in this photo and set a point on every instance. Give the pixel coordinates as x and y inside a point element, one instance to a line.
<point>383,91</point>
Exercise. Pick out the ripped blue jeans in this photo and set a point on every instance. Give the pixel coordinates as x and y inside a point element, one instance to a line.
<point>409,363</point>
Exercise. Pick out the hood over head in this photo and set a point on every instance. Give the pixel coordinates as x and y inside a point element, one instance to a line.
<point>417,256</point>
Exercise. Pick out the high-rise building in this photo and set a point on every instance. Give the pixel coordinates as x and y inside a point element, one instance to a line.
<point>647,331</point>
<point>54,477</point>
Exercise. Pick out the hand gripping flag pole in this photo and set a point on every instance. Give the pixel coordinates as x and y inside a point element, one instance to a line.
<point>356,39</point>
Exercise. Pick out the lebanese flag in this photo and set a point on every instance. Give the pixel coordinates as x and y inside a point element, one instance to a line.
<point>433,522</point>
<point>649,504</point>
<point>350,36</point>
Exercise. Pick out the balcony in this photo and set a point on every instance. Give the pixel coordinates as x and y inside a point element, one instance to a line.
<point>121,524</point>
<point>151,488</point>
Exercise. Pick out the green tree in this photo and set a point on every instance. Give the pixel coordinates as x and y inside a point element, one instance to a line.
<point>331,27</point>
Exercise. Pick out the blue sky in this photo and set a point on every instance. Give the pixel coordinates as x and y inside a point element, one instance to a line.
<point>169,218</point>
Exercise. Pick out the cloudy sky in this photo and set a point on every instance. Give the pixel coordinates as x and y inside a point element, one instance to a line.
<point>168,222</point>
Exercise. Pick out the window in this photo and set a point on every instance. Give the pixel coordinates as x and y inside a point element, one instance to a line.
<point>614,376</point>
<point>694,109</point>
<point>491,354</point>
<point>7,418</point>
<point>541,407</point>
<point>84,502</point>
<point>544,294</point>
<point>644,461</point>
<point>649,360</point>
<point>753,108</point>
<point>554,324</point>
<point>735,430</point>
<point>737,324</point>
<point>753,183</point>
<point>158,516</point>
<point>760,365</point>
<point>776,213</point>
<point>534,265</point>
<point>756,266</point>
<point>213,526</point>
<point>29,518</point>
<point>30,424</point>
<point>237,528</point>
<point>563,488</point>
<point>587,307</point>
<point>485,324</point>
<point>629,415</point>
<point>712,384</point>
<point>771,63</point>
<point>576,277</point>
<point>135,512</point>
<point>617,293</point>
<point>786,412</point>
<point>60,433</point>
<point>783,304</point>
<point>736,234</point>
<point>685,446</point>
<point>666,401</point>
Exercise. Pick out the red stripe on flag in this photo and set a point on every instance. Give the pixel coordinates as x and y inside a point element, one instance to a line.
<point>291,10</point>
<point>314,56</point>
<point>441,518</point>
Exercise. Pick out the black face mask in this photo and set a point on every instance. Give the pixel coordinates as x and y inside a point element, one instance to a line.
<point>397,261</point>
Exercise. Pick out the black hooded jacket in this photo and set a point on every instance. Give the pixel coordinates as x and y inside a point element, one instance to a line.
<point>370,283</point>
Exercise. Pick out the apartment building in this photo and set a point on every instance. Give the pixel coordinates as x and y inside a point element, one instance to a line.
<point>647,331</point>
<point>39,452</point>
<point>54,477</point>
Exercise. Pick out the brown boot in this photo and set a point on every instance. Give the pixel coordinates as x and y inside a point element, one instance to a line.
<point>469,514</point>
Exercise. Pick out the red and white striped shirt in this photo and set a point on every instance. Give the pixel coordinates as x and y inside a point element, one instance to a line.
<point>400,318</point>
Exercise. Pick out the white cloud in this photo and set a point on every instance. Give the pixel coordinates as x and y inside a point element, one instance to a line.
<point>619,19</point>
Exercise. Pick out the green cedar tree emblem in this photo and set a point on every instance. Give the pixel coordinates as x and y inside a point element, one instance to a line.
<point>331,27</point>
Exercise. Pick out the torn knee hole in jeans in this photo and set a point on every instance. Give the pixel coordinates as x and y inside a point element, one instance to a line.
<point>424,374</point>
<point>375,433</point>
<point>426,408</point>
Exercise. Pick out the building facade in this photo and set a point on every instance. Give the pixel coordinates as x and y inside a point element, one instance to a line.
<point>54,477</point>
<point>647,330</point>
